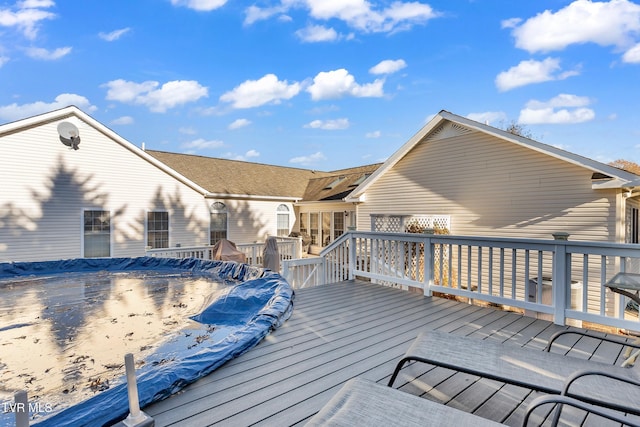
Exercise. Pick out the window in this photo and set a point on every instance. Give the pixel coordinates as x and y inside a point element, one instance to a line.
<point>303,223</point>
<point>97,234</point>
<point>635,232</point>
<point>338,224</point>
<point>326,228</point>
<point>283,220</point>
<point>313,227</point>
<point>218,223</point>
<point>158,229</point>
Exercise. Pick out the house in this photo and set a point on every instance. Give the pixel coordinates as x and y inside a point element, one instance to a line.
<point>107,197</point>
<point>104,196</point>
<point>251,201</point>
<point>490,182</point>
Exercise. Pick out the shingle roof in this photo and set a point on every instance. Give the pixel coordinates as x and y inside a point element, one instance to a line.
<point>338,184</point>
<point>233,177</point>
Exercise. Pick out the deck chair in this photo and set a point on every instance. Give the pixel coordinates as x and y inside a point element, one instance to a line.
<point>365,403</point>
<point>595,383</point>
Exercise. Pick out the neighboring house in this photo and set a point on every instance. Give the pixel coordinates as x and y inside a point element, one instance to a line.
<point>491,182</point>
<point>111,198</point>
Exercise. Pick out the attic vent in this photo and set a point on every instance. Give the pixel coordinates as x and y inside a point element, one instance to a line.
<point>334,183</point>
<point>448,130</point>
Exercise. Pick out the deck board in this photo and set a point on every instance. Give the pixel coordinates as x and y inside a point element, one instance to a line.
<point>351,329</point>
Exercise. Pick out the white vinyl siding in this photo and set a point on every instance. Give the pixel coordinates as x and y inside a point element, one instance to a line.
<point>493,187</point>
<point>250,221</point>
<point>46,187</point>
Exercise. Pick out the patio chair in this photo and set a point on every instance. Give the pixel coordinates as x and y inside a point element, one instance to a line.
<point>608,386</point>
<point>361,402</point>
<point>630,358</point>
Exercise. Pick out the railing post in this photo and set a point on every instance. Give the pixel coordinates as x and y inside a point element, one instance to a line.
<point>352,256</point>
<point>429,254</point>
<point>560,286</point>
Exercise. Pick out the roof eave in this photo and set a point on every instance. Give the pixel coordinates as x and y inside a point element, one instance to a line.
<point>210,195</point>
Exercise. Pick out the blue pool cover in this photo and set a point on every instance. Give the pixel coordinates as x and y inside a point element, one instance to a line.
<point>257,302</point>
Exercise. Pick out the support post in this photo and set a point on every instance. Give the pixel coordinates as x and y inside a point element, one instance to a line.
<point>21,408</point>
<point>136,417</point>
<point>560,284</point>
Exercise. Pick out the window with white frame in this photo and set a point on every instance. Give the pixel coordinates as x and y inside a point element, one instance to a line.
<point>304,228</point>
<point>97,234</point>
<point>158,229</point>
<point>313,227</point>
<point>218,223</point>
<point>635,230</point>
<point>283,220</point>
<point>338,224</point>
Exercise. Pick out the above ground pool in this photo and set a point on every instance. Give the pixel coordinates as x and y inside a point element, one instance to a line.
<point>65,327</point>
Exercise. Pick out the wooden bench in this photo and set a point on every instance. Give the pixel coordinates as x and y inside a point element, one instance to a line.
<point>365,403</point>
<point>610,386</point>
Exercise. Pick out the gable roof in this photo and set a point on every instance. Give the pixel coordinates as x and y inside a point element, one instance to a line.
<point>73,111</point>
<point>614,177</point>
<point>238,179</point>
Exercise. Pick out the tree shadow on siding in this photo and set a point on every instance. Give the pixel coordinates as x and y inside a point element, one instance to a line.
<point>59,206</point>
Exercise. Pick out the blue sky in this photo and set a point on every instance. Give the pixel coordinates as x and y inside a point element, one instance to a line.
<point>327,84</point>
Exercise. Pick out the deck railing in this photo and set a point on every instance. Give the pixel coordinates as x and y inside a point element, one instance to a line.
<point>561,280</point>
<point>288,248</point>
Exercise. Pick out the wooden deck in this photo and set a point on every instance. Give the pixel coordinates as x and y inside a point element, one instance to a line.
<point>351,329</point>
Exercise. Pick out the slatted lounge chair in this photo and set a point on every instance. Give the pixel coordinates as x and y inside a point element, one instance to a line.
<point>609,386</point>
<point>365,403</point>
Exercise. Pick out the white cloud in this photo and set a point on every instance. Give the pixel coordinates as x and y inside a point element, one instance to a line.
<point>388,66</point>
<point>26,16</point>
<point>374,134</point>
<point>202,144</point>
<point>357,14</point>
<point>339,83</point>
<point>114,35</point>
<point>510,23</point>
<point>531,71</point>
<point>488,116</point>
<point>242,157</point>
<point>48,55</point>
<point>124,120</point>
<point>200,5</point>
<point>14,111</point>
<point>254,13</point>
<point>306,160</point>
<point>3,60</point>
<point>157,98</point>
<point>239,123</point>
<point>562,109</point>
<point>336,124</point>
<point>632,55</point>
<point>613,23</point>
<point>266,90</point>
<point>317,33</point>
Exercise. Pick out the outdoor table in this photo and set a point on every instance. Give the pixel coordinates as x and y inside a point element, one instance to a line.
<point>627,284</point>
